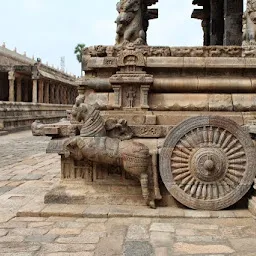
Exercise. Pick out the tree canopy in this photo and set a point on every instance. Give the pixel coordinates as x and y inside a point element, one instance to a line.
<point>79,52</point>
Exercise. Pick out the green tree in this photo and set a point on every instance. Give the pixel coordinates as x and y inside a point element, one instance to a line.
<point>79,52</point>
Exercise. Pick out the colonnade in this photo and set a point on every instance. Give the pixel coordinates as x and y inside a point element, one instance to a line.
<point>221,21</point>
<point>40,90</point>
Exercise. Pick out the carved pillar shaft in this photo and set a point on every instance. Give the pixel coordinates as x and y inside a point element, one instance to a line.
<point>11,77</point>
<point>26,88</point>
<point>51,93</point>
<point>144,96</point>
<point>19,91</point>
<point>41,91</point>
<point>216,22</point>
<point>118,96</point>
<point>46,92</point>
<point>233,13</point>
<point>34,97</point>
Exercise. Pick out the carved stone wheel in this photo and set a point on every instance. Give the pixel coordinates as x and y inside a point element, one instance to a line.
<point>208,162</point>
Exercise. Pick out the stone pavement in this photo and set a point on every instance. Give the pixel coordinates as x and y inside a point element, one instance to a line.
<point>27,173</point>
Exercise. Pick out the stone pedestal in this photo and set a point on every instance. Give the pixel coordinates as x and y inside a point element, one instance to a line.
<point>94,184</point>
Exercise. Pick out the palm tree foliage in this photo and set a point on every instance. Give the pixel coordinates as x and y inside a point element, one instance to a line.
<point>79,52</point>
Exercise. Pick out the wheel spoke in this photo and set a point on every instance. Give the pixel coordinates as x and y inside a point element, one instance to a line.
<point>208,162</point>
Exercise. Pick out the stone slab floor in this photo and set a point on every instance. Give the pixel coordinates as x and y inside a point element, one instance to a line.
<point>27,173</point>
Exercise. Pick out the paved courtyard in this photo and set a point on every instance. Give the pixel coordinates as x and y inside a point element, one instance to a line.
<point>27,173</point>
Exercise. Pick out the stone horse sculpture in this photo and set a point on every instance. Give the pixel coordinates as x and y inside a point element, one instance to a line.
<point>93,144</point>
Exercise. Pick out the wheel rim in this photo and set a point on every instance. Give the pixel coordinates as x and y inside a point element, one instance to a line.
<point>208,162</point>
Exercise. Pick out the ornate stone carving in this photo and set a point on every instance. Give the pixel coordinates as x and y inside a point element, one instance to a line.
<point>118,129</point>
<point>133,20</point>
<point>131,84</point>
<point>208,162</point>
<point>158,51</point>
<point>129,23</point>
<point>249,26</point>
<point>133,157</point>
<point>107,143</point>
<point>37,128</point>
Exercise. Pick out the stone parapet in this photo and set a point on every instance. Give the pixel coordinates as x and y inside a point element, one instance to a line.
<point>20,115</point>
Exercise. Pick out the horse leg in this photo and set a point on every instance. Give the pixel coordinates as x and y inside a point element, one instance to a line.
<point>144,186</point>
<point>155,177</point>
<point>145,191</point>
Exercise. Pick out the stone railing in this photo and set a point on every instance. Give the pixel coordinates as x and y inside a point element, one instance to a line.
<point>20,115</point>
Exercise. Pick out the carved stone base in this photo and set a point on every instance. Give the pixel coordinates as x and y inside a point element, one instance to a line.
<point>79,193</point>
<point>252,205</point>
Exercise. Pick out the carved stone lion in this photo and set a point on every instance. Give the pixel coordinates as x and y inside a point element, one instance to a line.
<point>129,23</point>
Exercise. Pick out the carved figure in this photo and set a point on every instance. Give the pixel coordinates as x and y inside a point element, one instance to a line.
<point>249,35</point>
<point>131,94</point>
<point>118,129</point>
<point>129,23</point>
<point>94,145</point>
<point>37,128</point>
<point>133,157</point>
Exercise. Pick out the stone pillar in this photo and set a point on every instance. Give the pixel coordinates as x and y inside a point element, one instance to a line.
<point>64,94</point>
<point>56,94</point>
<point>144,96</point>
<point>35,78</point>
<point>19,91</point>
<point>60,94</point>
<point>34,97</point>
<point>11,77</point>
<point>52,96</point>
<point>68,95</point>
<point>26,90</point>
<point>118,96</point>
<point>41,91</point>
<point>216,22</point>
<point>46,92</point>
<point>233,16</point>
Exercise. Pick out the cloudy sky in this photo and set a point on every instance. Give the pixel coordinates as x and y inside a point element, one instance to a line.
<point>50,29</point>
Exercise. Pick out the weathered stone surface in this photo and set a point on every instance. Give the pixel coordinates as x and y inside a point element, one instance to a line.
<point>161,239</point>
<point>67,248</point>
<point>185,248</point>
<point>162,227</point>
<point>138,248</point>
<point>220,102</point>
<point>109,246</point>
<point>176,102</point>
<point>137,232</point>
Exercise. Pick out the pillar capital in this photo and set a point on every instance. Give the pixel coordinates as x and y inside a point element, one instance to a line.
<point>11,75</point>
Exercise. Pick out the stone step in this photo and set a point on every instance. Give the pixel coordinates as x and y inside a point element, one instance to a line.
<point>3,133</point>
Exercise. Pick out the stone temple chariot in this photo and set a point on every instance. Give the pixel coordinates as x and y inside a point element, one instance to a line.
<point>153,125</point>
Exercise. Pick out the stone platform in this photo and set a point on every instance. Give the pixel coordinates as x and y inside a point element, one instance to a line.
<point>27,174</point>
